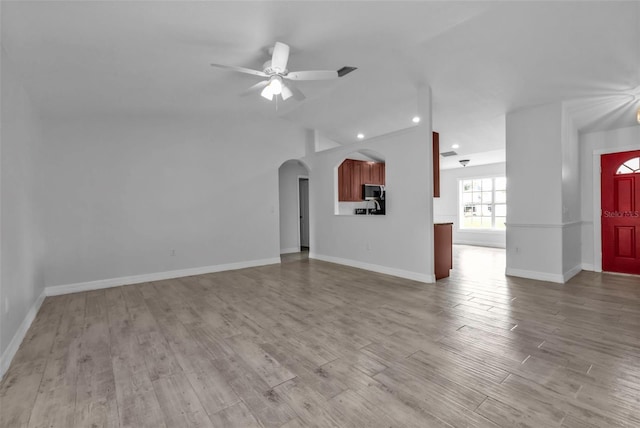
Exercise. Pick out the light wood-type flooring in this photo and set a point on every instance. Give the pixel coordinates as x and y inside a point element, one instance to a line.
<point>309,343</point>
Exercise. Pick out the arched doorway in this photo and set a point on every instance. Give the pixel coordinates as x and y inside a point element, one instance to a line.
<point>293,178</point>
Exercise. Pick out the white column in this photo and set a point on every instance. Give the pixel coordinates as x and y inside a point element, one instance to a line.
<point>543,234</point>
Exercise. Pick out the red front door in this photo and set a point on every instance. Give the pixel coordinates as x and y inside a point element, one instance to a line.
<point>621,212</point>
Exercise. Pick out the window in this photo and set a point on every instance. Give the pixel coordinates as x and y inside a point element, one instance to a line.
<point>483,203</point>
<point>629,167</point>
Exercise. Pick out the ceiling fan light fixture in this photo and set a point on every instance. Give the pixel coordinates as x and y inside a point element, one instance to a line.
<point>267,92</point>
<point>276,85</point>
<point>286,93</point>
<point>275,71</point>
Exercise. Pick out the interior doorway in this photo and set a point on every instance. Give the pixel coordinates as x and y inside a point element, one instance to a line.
<point>303,202</point>
<point>620,212</point>
<point>294,195</point>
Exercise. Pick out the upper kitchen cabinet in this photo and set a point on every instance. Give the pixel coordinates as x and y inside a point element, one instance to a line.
<point>376,173</point>
<point>372,172</point>
<point>352,174</point>
<point>436,165</point>
<point>345,175</point>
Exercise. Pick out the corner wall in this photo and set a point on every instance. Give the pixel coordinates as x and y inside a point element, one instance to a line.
<point>399,243</point>
<point>543,226</point>
<point>22,244</point>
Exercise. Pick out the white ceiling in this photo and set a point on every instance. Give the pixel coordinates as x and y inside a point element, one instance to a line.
<point>481,59</point>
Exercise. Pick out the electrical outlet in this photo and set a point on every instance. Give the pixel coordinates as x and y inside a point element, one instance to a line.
<point>172,253</point>
<point>368,246</point>
<point>6,305</point>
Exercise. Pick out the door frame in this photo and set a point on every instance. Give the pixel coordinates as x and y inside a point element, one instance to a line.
<point>597,201</point>
<point>298,198</point>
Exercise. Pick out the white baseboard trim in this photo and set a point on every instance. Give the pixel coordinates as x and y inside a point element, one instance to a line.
<point>290,250</point>
<point>479,244</point>
<point>18,337</point>
<point>588,266</point>
<point>157,276</point>
<point>572,272</point>
<point>540,276</point>
<point>414,276</point>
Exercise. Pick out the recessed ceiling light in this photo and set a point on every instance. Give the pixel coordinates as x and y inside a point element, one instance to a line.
<point>416,119</point>
<point>455,146</point>
<point>360,136</point>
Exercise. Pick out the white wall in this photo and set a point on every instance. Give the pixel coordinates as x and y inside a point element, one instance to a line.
<point>543,230</point>
<point>446,208</point>
<point>571,224</point>
<point>618,140</point>
<point>534,165</point>
<point>124,192</point>
<point>398,243</point>
<point>22,248</point>
<point>289,208</point>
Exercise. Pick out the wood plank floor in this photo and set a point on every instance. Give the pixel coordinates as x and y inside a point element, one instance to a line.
<point>309,343</point>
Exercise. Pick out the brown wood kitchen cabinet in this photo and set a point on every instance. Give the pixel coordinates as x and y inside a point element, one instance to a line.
<point>356,181</point>
<point>352,174</point>
<point>443,249</point>
<point>345,175</point>
<point>436,165</point>
<point>376,173</point>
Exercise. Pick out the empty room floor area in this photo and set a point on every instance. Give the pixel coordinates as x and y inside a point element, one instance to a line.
<point>310,343</point>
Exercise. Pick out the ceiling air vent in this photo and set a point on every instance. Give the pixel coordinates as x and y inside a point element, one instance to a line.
<point>447,154</point>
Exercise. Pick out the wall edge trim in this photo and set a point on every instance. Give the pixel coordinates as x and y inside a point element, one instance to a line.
<point>479,243</point>
<point>289,250</point>
<point>545,225</point>
<point>588,266</point>
<point>401,273</point>
<point>156,276</point>
<point>539,276</point>
<point>572,272</point>
<point>18,337</point>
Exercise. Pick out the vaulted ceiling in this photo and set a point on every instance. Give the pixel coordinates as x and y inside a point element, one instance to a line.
<point>481,59</point>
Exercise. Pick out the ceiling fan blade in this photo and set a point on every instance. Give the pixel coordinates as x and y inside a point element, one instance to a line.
<point>320,74</point>
<point>297,93</point>
<point>255,88</point>
<point>312,75</point>
<point>241,70</point>
<point>280,57</point>
<point>346,70</point>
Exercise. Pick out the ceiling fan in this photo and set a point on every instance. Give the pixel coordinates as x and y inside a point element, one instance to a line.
<point>279,80</point>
